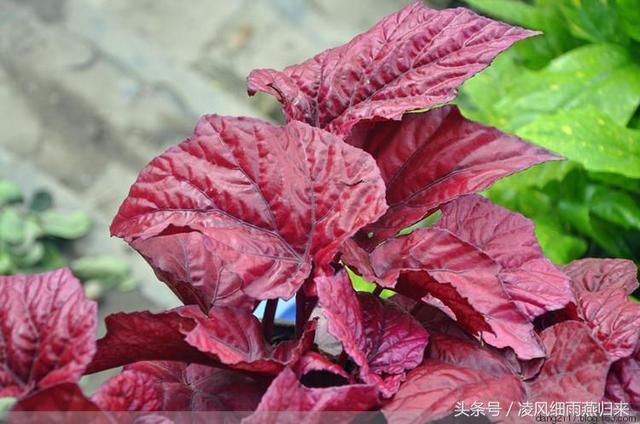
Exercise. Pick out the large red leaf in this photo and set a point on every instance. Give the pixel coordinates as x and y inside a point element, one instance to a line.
<point>187,263</point>
<point>182,387</point>
<point>623,383</point>
<point>380,337</point>
<point>268,200</point>
<point>459,371</point>
<point>430,158</point>
<point>576,369</point>
<point>415,58</point>
<point>435,261</point>
<point>531,280</point>
<point>129,391</point>
<point>147,336</point>
<point>232,337</point>
<point>613,319</point>
<point>456,371</point>
<point>60,397</point>
<point>594,274</point>
<point>298,403</point>
<point>47,331</point>
<point>235,337</point>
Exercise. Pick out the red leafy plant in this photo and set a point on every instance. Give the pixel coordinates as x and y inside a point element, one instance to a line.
<point>245,211</point>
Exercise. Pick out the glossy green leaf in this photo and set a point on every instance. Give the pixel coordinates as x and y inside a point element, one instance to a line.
<point>629,15</point>
<point>362,285</point>
<point>557,245</point>
<point>631,185</point>
<point>513,11</point>
<point>65,225</point>
<point>616,207</point>
<point>600,76</point>
<point>590,138</point>
<point>594,20</point>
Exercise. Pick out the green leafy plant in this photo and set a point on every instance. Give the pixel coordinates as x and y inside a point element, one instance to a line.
<point>35,237</point>
<point>575,90</point>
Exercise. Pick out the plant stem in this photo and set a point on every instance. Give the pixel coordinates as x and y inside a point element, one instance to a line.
<point>342,359</point>
<point>377,291</point>
<point>416,309</point>
<point>268,317</point>
<point>301,311</point>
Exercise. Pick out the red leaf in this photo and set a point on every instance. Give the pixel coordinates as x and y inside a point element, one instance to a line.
<point>456,371</point>
<point>286,393</point>
<point>60,397</point>
<point>47,331</point>
<point>235,337</point>
<point>147,336</point>
<point>128,391</point>
<point>187,264</point>
<point>623,383</point>
<point>183,387</point>
<point>415,58</point>
<point>593,274</point>
<point>230,336</point>
<point>465,279</point>
<point>614,320</point>
<point>430,158</point>
<point>268,200</point>
<point>380,337</point>
<point>532,281</point>
<point>313,362</point>
<point>576,369</point>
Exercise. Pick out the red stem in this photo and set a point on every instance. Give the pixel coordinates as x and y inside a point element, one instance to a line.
<point>268,318</point>
<point>301,311</point>
<point>377,291</point>
<point>416,309</point>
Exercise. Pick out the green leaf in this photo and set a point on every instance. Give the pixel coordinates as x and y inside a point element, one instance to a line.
<point>537,176</point>
<point>41,201</point>
<point>362,285</point>
<point>52,258</point>
<point>616,207</point>
<point>557,245</point>
<point>12,229</point>
<point>7,266</point>
<point>629,14</point>
<point>602,76</point>
<point>29,256</point>
<point>631,185</point>
<point>481,93</point>
<point>513,11</point>
<point>110,271</point>
<point>65,225</point>
<point>9,192</point>
<point>594,20</point>
<point>590,138</point>
<point>610,238</point>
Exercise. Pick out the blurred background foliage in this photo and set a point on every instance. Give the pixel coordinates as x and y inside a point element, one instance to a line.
<point>574,90</point>
<point>35,237</point>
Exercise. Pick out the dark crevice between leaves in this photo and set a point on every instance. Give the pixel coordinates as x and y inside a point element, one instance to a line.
<point>322,379</point>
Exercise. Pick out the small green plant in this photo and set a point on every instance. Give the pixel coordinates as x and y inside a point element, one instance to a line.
<point>35,237</point>
<point>575,91</point>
